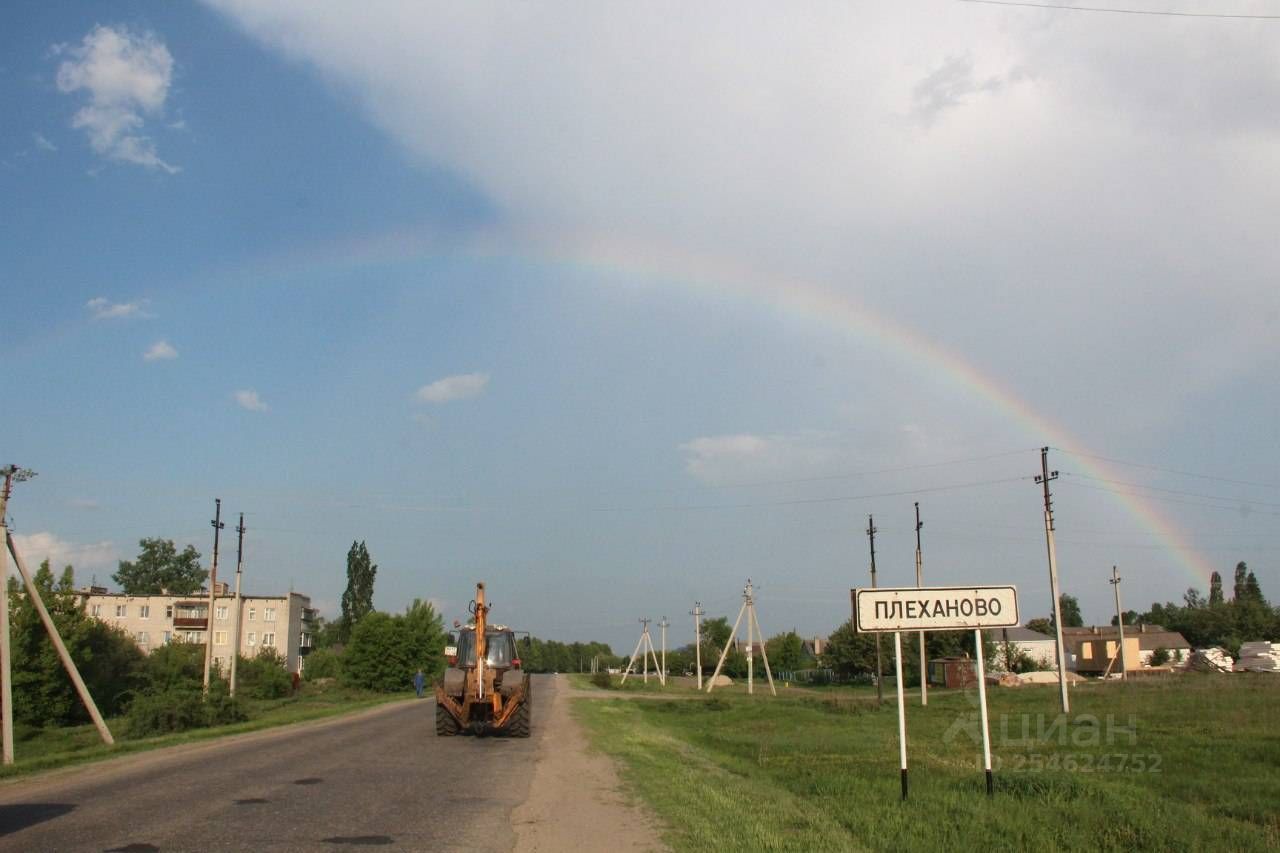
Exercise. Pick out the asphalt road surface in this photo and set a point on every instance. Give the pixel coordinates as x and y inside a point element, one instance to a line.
<point>379,780</point>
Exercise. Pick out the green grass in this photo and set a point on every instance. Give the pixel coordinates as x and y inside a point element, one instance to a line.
<point>37,749</point>
<point>819,770</point>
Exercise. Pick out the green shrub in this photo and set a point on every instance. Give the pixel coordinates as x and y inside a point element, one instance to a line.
<point>602,679</point>
<point>180,709</point>
<point>380,655</point>
<point>1160,657</point>
<point>264,676</point>
<point>322,663</point>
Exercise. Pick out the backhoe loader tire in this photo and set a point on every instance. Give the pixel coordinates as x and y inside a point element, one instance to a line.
<point>446,725</point>
<point>519,725</point>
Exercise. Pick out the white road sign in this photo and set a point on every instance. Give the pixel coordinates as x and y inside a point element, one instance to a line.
<point>936,608</point>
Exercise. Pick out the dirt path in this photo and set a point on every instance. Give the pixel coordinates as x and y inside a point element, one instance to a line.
<point>576,800</point>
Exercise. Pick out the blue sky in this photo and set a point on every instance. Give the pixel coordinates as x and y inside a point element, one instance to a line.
<point>328,267</point>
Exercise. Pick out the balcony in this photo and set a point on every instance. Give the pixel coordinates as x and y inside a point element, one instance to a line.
<point>199,623</point>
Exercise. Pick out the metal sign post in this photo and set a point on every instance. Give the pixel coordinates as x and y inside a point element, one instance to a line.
<point>939,608</point>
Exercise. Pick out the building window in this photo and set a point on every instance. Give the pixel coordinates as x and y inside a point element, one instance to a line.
<point>269,639</point>
<point>144,611</point>
<point>97,610</point>
<point>142,638</point>
<point>168,611</point>
<point>252,612</point>
<point>168,636</point>
<point>219,638</point>
<point>252,639</point>
<point>268,614</point>
<point>221,613</point>
<point>122,610</point>
<point>193,636</point>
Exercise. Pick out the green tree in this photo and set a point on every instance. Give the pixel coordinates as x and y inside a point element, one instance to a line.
<point>1070,607</point>
<point>1131,617</point>
<point>1239,590</point>
<point>1215,590</point>
<point>786,651</point>
<point>427,636</point>
<point>1041,626</point>
<point>322,663</point>
<point>108,660</point>
<point>159,567</point>
<point>850,654</point>
<point>1252,590</point>
<point>357,600</point>
<point>715,632</point>
<point>380,654</point>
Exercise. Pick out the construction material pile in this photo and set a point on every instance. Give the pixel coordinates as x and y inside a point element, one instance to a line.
<point>1215,659</point>
<point>1259,657</point>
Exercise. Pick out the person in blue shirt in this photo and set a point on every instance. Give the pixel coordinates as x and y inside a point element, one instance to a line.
<point>419,681</point>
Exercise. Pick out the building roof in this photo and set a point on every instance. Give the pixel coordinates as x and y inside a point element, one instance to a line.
<point>1017,634</point>
<point>1150,637</point>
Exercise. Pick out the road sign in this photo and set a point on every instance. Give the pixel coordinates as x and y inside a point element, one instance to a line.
<point>936,608</point>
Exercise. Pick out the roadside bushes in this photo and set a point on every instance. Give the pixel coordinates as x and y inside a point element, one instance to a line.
<point>602,679</point>
<point>264,676</point>
<point>181,708</point>
<point>322,663</point>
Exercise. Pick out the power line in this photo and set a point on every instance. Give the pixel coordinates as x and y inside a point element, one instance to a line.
<point>1118,11</point>
<point>802,501</point>
<point>1237,507</point>
<point>854,474</point>
<point>1167,470</point>
<point>1171,491</point>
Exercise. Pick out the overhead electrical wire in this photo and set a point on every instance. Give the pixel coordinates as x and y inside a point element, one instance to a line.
<point>1115,10</point>
<point>1171,491</point>
<point>1162,469</point>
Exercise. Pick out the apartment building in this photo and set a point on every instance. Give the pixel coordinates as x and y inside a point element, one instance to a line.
<point>281,622</point>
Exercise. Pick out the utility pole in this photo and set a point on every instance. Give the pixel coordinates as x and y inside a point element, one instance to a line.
<point>1124,662</point>
<point>697,614</point>
<point>644,648</point>
<point>235,643</point>
<point>753,624</point>
<point>924,655</point>
<point>871,535</point>
<point>1044,478</point>
<point>213,583</point>
<point>6,672</point>
<point>33,595</point>
<point>663,625</point>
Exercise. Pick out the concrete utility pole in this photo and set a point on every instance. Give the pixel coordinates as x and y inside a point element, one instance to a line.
<point>871,535</point>
<point>1044,478</point>
<point>6,672</point>
<point>663,625</point>
<point>696,613</point>
<point>213,583</point>
<point>235,619</point>
<point>1124,662</point>
<point>644,648</point>
<point>924,654</point>
<point>753,624</point>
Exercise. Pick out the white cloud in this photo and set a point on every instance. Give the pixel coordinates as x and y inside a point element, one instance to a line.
<point>250,400</point>
<point>453,388</point>
<point>742,457</point>
<point>37,547</point>
<point>160,350</point>
<point>126,76</point>
<point>43,143</point>
<point>101,308</point>
<point>84,503</point>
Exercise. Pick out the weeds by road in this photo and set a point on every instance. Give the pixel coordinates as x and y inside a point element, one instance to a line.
<point>1181,764</point>
<point>46,748</point>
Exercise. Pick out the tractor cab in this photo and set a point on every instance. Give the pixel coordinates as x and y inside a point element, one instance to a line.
<point>500,648</point>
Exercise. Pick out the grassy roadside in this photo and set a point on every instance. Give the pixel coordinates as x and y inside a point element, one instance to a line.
<point>1181,764</point>
<point>44,749</point>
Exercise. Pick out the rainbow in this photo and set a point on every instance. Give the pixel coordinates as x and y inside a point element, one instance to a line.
<point>805,300</point>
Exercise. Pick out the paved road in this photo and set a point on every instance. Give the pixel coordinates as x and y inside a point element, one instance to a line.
<point>381,780</point>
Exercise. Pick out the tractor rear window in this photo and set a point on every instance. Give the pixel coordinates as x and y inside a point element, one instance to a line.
<point>499,653</point>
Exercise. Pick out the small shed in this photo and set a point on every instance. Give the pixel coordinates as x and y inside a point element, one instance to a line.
<point>952,672</point>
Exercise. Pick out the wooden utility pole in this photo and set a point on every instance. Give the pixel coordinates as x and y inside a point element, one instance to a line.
<point>213,584</point>
<point>1043,478</point>
<point>753,624</point>
<point>1124,661</point>
<point>871,536</point>
<point>924,655</point>
<point>696,613</point>
<point>235,643</point>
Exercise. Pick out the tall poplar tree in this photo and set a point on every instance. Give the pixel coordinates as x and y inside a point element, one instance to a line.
<point>357,601</point>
